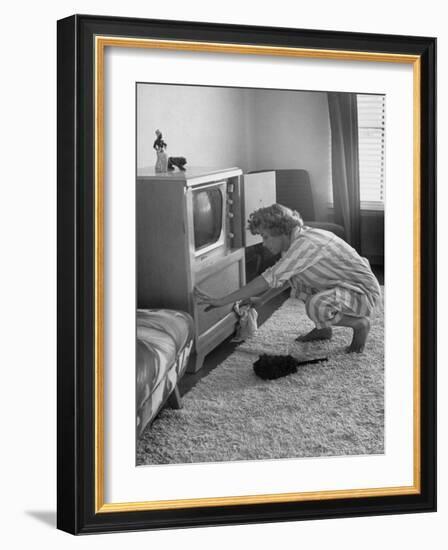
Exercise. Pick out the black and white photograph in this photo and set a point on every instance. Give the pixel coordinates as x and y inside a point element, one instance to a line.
<point>259,273</point>
<point>220,222</point>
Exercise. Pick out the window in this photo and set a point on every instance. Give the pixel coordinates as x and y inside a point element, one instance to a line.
<point>371,137</point>
<point>371,119</point>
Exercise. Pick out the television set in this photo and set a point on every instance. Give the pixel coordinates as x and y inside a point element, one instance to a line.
<point>189,233</point>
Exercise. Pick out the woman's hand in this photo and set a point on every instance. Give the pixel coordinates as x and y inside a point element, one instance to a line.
<point>205,299</point>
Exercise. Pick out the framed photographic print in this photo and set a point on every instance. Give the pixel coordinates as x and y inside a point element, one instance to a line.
<point>246,274</point>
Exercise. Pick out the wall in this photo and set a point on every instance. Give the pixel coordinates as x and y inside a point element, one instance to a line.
<point>203,124</point>
<point>252,129</point>
<point>291,130</point>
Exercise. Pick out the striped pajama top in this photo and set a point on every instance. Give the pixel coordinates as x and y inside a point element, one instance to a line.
<point>319,260</point>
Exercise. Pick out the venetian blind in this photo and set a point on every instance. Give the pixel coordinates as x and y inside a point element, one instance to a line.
<point>371,133</point>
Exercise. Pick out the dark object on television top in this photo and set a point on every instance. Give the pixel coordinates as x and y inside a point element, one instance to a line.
<point>178,162</point>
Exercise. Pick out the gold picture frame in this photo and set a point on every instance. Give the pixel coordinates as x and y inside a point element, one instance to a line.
<point>82,42</point>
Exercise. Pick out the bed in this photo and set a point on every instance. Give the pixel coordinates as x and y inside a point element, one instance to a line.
<point>164,343</point>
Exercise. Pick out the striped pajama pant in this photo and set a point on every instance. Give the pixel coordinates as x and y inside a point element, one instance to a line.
<point>327,307</point>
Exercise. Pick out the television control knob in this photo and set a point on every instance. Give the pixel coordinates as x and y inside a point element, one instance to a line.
<point>230,215</point>
<point>231,235</point>
<point>230,188</point>
<point>229,201</point>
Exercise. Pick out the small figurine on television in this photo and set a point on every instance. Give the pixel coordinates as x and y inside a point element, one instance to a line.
<point>162,159</point>
<point>159,144</point>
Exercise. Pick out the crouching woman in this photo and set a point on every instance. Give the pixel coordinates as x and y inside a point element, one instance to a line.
<point>335,282</point>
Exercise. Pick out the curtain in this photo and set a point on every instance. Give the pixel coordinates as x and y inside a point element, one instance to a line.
<point>345,164</point>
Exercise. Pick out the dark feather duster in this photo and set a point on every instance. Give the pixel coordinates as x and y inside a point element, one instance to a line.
<point>270,367</point>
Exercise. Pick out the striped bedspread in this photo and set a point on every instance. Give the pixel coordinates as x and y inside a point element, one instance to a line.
<point>164,342</point>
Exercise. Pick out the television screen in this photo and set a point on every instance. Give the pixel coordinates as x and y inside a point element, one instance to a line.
<point>207,216</point>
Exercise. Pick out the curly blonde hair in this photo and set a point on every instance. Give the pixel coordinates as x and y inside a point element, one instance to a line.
<point>277,219</point>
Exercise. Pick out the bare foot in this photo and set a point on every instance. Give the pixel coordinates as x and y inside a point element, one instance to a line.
<point>360,332</point>
<point>315,335</point>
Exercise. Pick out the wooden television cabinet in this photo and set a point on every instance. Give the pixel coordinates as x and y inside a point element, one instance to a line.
<point>169,264</point>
